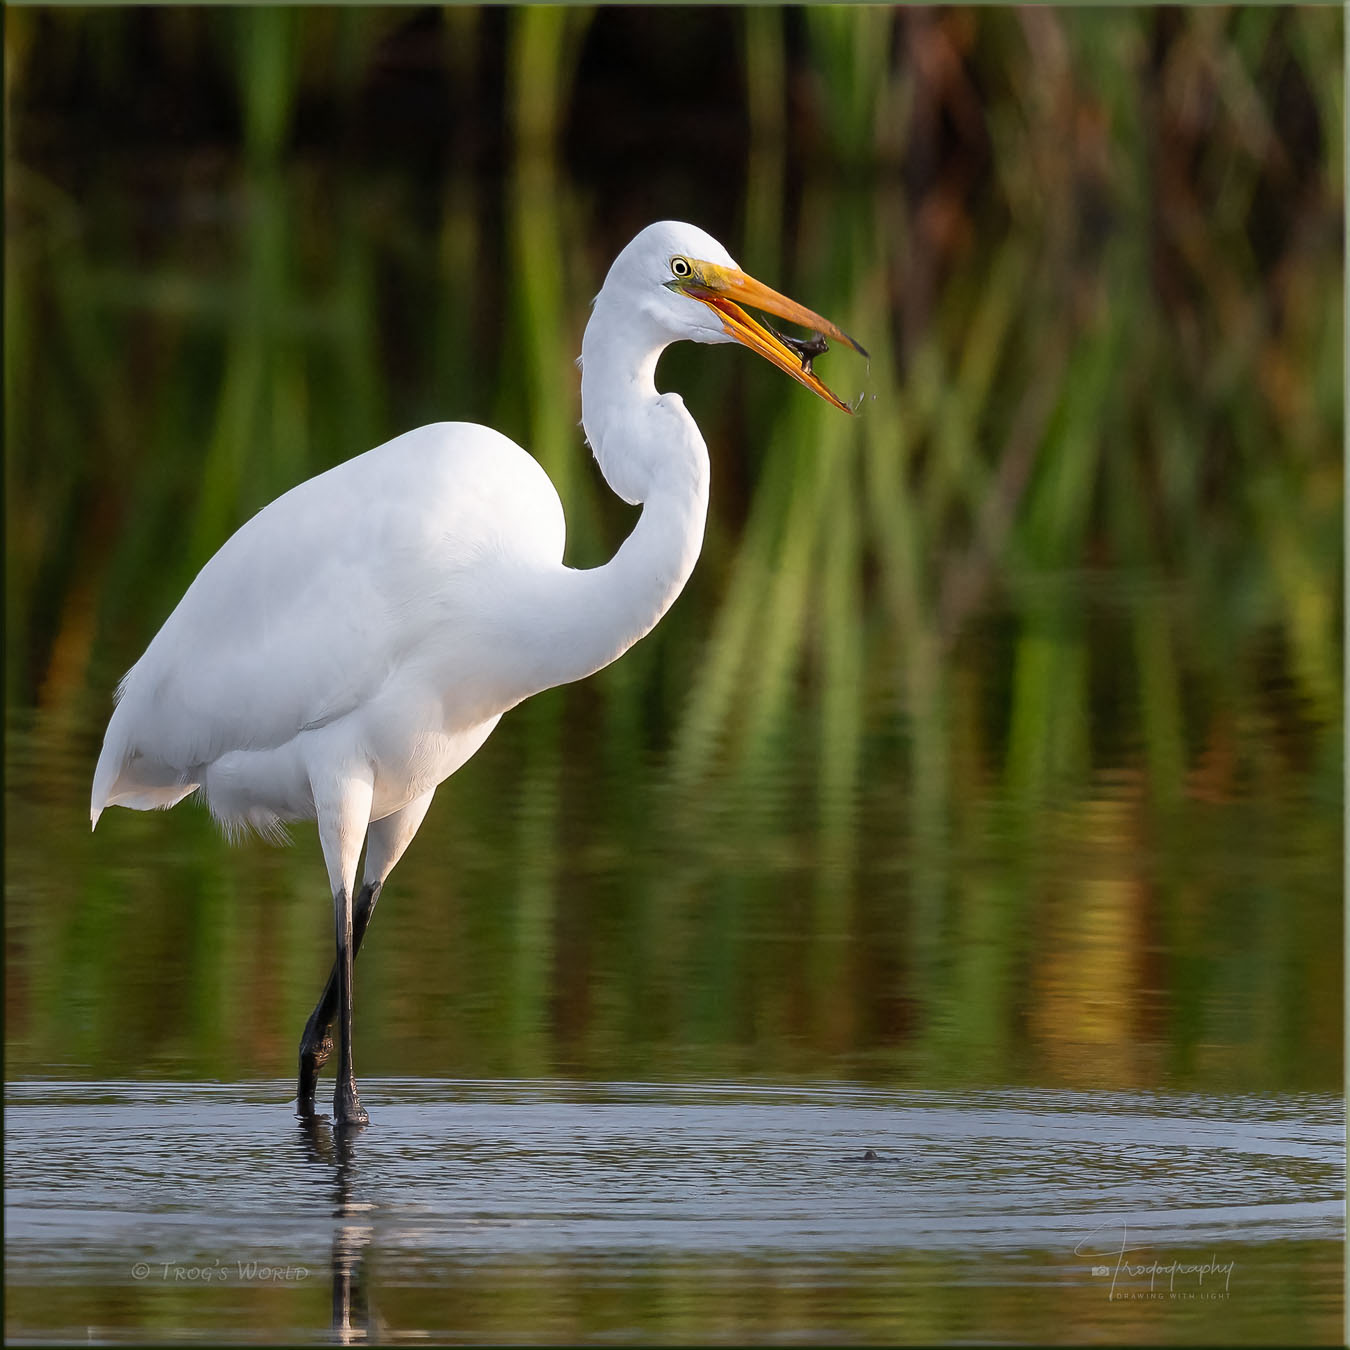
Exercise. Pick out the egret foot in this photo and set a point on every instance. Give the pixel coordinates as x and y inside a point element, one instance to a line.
<point>315,1047</point>
<point>347,1109</point>
<point>309,1081</point>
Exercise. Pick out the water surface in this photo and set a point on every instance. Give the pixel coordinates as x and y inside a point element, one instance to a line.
<point>546,1211</point>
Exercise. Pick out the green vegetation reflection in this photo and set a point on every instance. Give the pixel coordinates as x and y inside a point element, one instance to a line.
<point>998,735</point>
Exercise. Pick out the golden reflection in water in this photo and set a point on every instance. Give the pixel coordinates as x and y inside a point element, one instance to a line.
<point>1090,985</point>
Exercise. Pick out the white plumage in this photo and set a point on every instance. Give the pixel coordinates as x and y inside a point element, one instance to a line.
<point>352,617</point>
<point>357,640</point>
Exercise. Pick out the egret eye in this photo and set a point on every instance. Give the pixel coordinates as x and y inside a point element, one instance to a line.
<point>680,268</point>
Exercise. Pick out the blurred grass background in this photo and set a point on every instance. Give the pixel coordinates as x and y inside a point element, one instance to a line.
<point>998,736</point>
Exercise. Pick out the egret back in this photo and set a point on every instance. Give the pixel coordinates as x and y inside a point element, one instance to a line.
<point>320,599</point>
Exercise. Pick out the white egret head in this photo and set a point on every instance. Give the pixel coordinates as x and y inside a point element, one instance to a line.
<point>689,287</point>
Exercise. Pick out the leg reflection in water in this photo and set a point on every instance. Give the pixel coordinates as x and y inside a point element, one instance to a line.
<point>355,1321</point>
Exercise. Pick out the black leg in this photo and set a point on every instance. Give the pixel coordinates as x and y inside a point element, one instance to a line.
<point>317,1042</point>
<point>347,1109</point>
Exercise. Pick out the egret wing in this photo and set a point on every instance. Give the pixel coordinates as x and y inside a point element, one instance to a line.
<point>316,601</point>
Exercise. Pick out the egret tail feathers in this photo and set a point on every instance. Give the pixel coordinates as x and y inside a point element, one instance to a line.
<point>141,799</point>
<point>129,779</point>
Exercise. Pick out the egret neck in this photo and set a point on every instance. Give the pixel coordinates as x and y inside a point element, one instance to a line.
<point>650,452</point>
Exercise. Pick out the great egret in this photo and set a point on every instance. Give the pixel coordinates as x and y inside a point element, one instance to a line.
<point>351,645</point>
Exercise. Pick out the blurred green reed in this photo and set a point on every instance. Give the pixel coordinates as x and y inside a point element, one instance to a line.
<point>1043,645</point>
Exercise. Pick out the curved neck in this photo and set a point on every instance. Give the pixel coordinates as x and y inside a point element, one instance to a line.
<point>603,611</point>
<point>650,451</point>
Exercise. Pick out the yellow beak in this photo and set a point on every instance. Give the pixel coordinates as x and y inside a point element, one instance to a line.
<point>727,289</point>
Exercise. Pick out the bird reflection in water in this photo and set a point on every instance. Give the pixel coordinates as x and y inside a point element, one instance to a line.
<point>354,1319</point>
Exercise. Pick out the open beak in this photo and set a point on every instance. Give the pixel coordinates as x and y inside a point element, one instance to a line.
<point>727,289</point>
